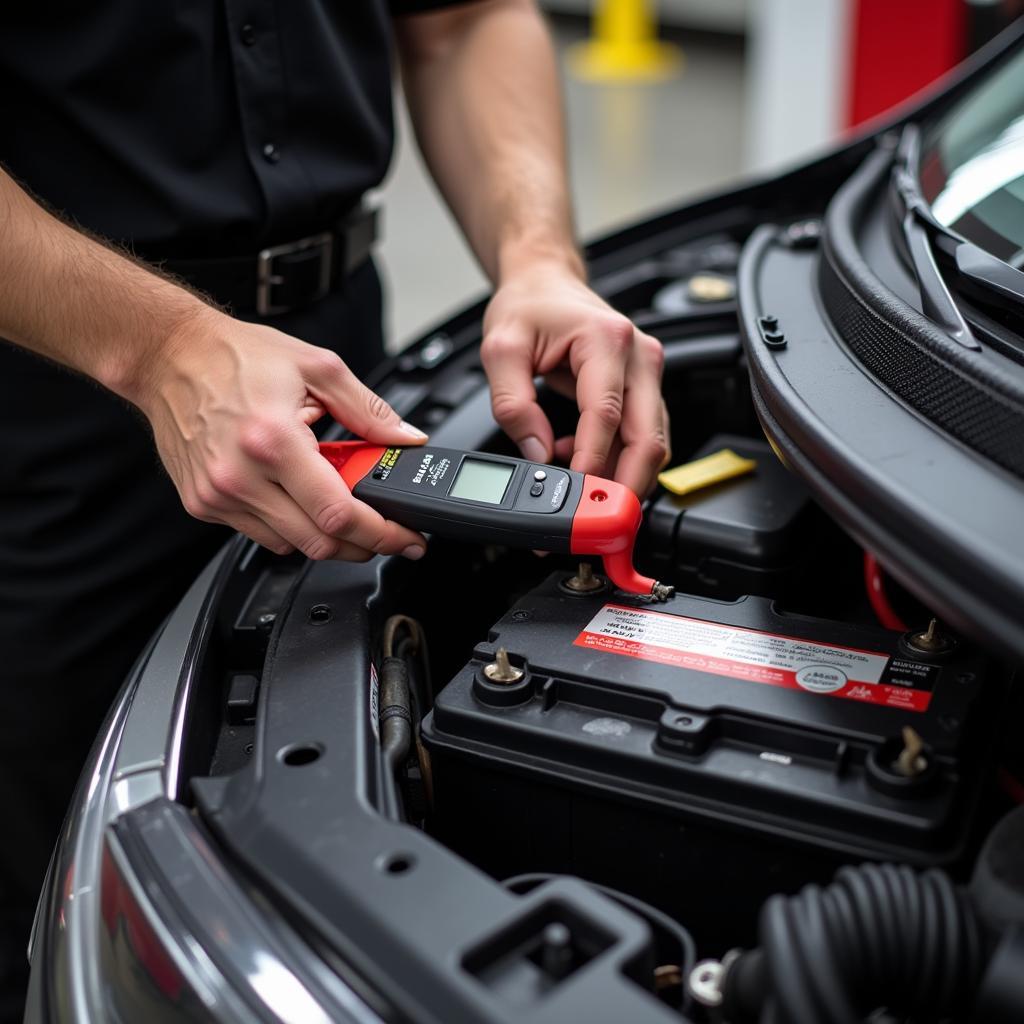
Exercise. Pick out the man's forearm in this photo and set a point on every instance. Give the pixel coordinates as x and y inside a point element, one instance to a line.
<point>483,90</point>
<point>230,403</point>
<point>80,303</point>
<point>482,87</point>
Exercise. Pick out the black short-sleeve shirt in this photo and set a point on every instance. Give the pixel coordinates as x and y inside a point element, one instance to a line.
<point>199,127</point>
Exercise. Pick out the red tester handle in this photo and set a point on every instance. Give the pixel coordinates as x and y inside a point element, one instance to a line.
<point>352,459</point>
<point>606,523</point>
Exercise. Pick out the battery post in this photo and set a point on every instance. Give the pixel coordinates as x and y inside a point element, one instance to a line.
<point>911,761</point>
<point>933,640</point>
<point>584,582</point>
<point>501,670</point>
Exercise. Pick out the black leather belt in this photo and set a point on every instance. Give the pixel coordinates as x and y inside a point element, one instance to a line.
<point>287,276</point>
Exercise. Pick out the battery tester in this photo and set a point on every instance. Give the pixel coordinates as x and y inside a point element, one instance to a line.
<point>473,496</point>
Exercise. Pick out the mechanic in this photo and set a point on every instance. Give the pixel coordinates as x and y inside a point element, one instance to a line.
<point>152,151</point>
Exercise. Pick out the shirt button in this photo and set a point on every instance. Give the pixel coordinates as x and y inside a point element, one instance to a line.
<point>248,35</point>
<point>271,153</point>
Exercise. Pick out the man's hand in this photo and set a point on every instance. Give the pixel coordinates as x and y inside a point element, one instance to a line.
<point>231,406</point>
<point>546,321</point>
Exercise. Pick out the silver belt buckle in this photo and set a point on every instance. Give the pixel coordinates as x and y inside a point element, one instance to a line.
<point>266,278</point>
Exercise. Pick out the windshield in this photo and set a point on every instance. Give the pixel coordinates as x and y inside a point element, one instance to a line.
<point>972,169</point>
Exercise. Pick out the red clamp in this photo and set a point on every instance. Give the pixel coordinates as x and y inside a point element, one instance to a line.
<point>606,523</point>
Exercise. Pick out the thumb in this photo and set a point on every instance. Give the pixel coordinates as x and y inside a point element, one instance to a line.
<point>365,413</point>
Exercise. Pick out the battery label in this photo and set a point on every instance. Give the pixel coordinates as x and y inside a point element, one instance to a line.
<point>755,656</point>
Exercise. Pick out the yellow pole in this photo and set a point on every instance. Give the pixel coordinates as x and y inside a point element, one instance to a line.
<point>624,45</point>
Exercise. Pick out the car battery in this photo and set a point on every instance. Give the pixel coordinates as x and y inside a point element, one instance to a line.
<point>618,729</point>
<point>754,534</point>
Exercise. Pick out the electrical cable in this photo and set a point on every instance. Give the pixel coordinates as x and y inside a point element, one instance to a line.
<point>875,584</point>
<point>419,647</point>
<point>418,668</point>
<point>396,731</point>
<point>411,651</point>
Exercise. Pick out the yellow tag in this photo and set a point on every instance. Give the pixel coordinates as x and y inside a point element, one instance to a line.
<point>712,469</point>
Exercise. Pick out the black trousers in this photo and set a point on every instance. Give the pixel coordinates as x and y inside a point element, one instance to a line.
<point>95,550</point>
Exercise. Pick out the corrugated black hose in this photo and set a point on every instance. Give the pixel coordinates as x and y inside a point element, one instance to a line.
<point>879,937</point>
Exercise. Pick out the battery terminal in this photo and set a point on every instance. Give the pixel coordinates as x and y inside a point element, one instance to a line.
<point>501,670</point>
<point>911,761</point>
<point>931,640</point>
<point>584,582</point>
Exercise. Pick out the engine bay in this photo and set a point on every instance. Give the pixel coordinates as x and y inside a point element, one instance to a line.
<point>661,795</point>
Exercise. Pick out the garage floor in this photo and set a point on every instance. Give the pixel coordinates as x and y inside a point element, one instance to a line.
<point>633,149</point>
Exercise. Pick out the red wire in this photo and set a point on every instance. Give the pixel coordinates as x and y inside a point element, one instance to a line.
<point>877,596</point>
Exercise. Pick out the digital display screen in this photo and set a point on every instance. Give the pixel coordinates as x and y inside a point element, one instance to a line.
<point>482,481</point>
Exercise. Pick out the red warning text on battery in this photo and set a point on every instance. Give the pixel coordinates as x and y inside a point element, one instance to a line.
<point>750,655</point>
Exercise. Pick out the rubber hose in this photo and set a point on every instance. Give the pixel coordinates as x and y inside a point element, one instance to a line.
<point>878,937</point>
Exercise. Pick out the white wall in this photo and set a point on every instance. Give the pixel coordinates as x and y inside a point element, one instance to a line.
<point>797,54</point>
<point>713,15</point>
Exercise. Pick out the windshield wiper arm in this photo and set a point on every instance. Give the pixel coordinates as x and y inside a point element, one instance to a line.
<point>996,282</point>
<point>916,221</point>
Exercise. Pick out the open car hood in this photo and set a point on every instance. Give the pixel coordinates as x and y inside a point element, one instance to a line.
<point>913,441</point>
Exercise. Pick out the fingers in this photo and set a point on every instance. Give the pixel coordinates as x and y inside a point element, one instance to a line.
<point>314,485</point>
<point>353,404</point>
<point>599,363</point>
<point>258,531</point>
<point>562,382</point>
<point>253,527</point>
<point>264,512</point>
<point>285,496</point>
<point>639,449</point>
<point>284,515</point>
<point>311,412</point>
<point>644,425</point>
<point>508,360</point>
<point>564,447</point>
<point>667,428</point>
<point>234,435</point>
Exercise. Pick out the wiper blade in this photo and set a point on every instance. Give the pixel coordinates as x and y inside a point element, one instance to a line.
<point>994,282</point>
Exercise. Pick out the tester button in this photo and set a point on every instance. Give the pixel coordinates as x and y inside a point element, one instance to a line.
<point>540,475</point>
<point>543,496</point>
